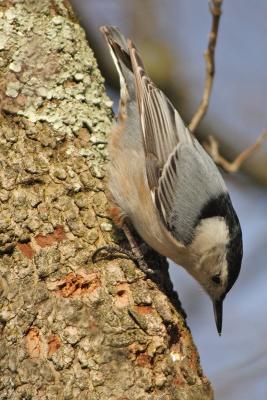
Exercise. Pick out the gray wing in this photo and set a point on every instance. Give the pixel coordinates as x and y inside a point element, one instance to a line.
<point>181,175</point>
<point>189,180</point>
<point>162,126</point>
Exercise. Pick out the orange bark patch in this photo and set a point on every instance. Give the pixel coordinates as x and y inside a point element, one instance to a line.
<point>53,344</point>
<point>135,348</point>
<point>48,240</point>
<point>26,249</point>
<point>143,309</point>
<point>122,298</point>
<point>74,285</point>
<point>33,343</point>
<point>138,354</point>
<point>178,381</point>
<point>143,360</point>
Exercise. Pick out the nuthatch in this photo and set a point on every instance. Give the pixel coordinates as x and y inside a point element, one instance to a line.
<point>165,183</point>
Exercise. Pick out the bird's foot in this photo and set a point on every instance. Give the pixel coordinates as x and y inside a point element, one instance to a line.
<point>136,256</point>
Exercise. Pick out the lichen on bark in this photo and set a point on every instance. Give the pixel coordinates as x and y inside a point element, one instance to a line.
<point>71,329</point>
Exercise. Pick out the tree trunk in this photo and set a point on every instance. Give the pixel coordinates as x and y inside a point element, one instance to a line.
<point>71,329</point>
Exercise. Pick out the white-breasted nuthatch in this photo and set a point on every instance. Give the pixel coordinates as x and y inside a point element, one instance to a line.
<point>162,179</point>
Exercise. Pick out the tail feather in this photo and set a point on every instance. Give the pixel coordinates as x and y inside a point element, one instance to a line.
<point>118,47</point>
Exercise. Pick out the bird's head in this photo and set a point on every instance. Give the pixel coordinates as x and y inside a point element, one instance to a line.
<point>218,250</point>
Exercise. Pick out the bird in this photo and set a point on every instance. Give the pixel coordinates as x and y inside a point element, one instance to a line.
<point>162,180</point>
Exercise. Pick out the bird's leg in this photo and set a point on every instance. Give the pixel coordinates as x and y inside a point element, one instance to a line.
<point>135,254</point>
<point>135,248</point>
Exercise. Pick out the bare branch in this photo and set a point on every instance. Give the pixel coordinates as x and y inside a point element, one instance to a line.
<point>213,149</point>
<point>212,146</point>
<point>215,10</point>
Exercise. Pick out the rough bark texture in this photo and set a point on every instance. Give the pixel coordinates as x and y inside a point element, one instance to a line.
<point>71,329</point>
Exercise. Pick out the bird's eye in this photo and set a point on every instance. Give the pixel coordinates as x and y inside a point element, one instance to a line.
<point>216,279</point>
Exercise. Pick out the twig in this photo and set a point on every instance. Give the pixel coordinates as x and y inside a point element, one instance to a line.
<point>213,149</point>
<point>215,10</point>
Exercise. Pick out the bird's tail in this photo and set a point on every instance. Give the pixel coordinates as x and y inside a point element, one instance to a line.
<point>118,47</point>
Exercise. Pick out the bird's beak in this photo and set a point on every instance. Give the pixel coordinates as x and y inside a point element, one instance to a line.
<point>218,314</point>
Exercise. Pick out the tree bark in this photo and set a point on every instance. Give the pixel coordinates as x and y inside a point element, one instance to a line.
<point>71,329</point>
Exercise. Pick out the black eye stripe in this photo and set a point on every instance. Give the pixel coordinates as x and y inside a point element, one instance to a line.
<point>216,279</point>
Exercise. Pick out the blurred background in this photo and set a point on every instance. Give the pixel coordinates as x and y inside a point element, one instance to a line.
<point>172,36</point>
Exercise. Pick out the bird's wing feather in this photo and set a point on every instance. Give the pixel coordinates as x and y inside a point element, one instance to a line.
<point>181,175</point>
<point>162,126</point>
<point>119,51</point>
<point>188,182</point>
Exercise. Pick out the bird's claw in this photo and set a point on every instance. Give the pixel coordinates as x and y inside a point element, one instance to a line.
<point>137,258</point>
